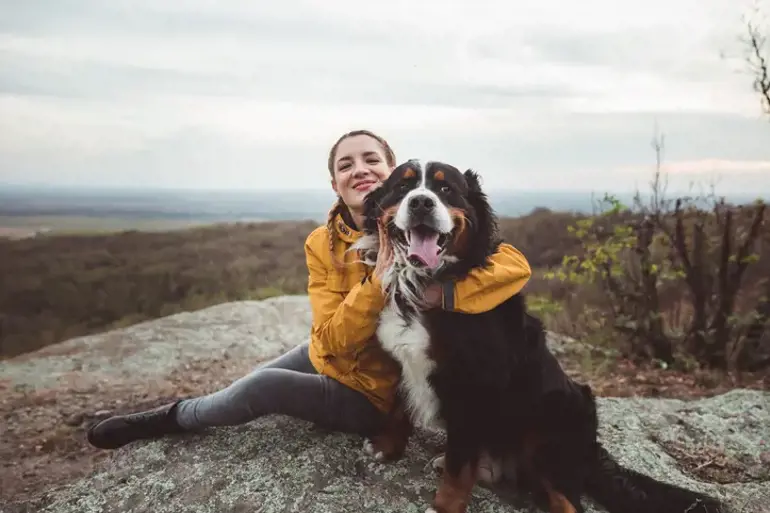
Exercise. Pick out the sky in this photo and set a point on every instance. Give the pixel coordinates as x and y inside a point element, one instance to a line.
<point>251,95</point>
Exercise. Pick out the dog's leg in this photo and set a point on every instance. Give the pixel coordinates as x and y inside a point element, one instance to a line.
<point>558,501</point>
<point>566,437</point>
<point>561,470</point>
<point>490,470</point>
<point>454,492</point>
<point>460,474</point>
<point>390,442</point>
<point>554,470</point>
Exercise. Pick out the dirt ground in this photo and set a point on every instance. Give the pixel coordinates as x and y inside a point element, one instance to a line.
<point>43,440</point>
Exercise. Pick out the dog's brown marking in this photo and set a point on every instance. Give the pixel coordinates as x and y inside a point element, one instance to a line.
<point>454,492</point>
<point>394,435</point>
<point>410,173</point>
<point>439,175</point>
<point>460,241</point>
<point>387,215</point>
<point>557,502</point>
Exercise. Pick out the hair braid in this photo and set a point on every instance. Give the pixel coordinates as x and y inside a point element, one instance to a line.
<point>332,228</point>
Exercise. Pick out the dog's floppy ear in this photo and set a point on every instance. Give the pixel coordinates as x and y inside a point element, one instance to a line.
<point>486,233</point>
<point>372,209</point>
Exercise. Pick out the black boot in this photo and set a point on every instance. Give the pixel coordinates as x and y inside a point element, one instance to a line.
<point>119,430</point>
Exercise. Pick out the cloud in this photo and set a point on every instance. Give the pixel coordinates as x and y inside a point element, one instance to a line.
<point>220,94</point>
<point>717,165</point>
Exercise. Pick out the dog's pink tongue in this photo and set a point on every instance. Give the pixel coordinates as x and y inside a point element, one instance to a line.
<point>424,247</point>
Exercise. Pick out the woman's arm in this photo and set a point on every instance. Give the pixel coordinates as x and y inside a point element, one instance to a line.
<point>342,323</point>
<point>484,288</point>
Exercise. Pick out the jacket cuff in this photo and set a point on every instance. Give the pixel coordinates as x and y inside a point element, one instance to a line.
<point>448,295</point>
<point>375,282</point>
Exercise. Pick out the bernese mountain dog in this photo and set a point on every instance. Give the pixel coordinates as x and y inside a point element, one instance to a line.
<point>487,379</point>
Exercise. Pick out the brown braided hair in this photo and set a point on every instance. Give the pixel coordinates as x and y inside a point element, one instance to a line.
<point>339,205</point>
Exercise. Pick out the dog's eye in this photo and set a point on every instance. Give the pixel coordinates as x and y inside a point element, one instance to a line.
<point>444,189</point>
<point>404,186</point>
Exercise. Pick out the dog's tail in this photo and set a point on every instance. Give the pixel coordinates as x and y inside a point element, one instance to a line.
<point>622,490</point>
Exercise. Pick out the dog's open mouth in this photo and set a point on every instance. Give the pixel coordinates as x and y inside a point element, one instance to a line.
<point>425,245</point>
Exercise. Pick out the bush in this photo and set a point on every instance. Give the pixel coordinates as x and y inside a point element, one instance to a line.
<point>673,278</point>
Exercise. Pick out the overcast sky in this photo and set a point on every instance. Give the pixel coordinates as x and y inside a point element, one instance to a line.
<point>225,94</point>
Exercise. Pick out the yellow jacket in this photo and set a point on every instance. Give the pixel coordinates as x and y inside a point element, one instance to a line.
<point>346,305</point>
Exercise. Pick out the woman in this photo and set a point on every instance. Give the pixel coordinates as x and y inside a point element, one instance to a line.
<point>341,379</point>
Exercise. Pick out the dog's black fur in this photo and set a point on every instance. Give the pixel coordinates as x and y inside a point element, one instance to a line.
<point>499,387</point>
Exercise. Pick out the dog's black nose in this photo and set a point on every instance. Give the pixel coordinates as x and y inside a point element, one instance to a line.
<point>422,203</point>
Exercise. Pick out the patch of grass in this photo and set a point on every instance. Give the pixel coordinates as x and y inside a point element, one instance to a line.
<point>61,286</point>
<point>58,287</point>
<point>86,225</point>
<point>65,285</point>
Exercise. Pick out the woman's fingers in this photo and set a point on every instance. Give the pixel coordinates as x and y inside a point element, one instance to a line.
<point>385,254</point>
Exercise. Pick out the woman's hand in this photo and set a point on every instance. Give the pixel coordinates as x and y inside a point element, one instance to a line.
<point>433,295</point>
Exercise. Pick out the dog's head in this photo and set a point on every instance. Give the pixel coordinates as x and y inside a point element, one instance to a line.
<point>436,218</point>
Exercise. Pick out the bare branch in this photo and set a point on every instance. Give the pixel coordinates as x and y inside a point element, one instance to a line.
<point>758,62</point>
<point>748,242</point>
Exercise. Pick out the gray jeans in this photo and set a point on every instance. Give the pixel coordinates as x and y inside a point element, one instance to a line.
<point>288,385</point>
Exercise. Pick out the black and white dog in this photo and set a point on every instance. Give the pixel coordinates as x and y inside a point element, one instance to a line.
<point>488,379</point>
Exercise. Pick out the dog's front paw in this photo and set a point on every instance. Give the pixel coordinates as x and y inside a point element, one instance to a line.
<point>490,471</point>
<point>384,447</point>
<point>372,450</point>
<point>438,463</point>
<point>449,508</point>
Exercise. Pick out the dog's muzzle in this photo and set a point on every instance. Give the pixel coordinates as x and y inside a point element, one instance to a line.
<point>424,232</point>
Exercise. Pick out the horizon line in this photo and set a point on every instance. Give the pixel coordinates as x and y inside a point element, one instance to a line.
<point>319,190</point>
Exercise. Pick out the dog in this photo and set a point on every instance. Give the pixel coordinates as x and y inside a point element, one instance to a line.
<point>487,379</point>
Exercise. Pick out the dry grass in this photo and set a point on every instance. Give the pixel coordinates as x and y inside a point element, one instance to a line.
<point>59,287</point>
<point>55,288</point>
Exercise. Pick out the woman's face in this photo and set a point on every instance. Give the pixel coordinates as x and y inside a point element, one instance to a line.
<point>359,167</point>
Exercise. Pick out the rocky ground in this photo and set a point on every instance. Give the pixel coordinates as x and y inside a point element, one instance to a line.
<point>47,398</point>
<point>281,465</point>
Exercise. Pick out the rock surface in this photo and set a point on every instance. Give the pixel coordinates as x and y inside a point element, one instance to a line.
<point>277,464</point>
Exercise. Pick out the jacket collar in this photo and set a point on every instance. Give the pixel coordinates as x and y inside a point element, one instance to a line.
<point>343,222</point>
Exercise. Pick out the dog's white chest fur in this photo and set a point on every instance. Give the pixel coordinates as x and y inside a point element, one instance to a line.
<point>409,345</point>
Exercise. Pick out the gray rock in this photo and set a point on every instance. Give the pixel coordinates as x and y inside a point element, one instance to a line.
<point>277,464</point>
<point>244,331</point>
